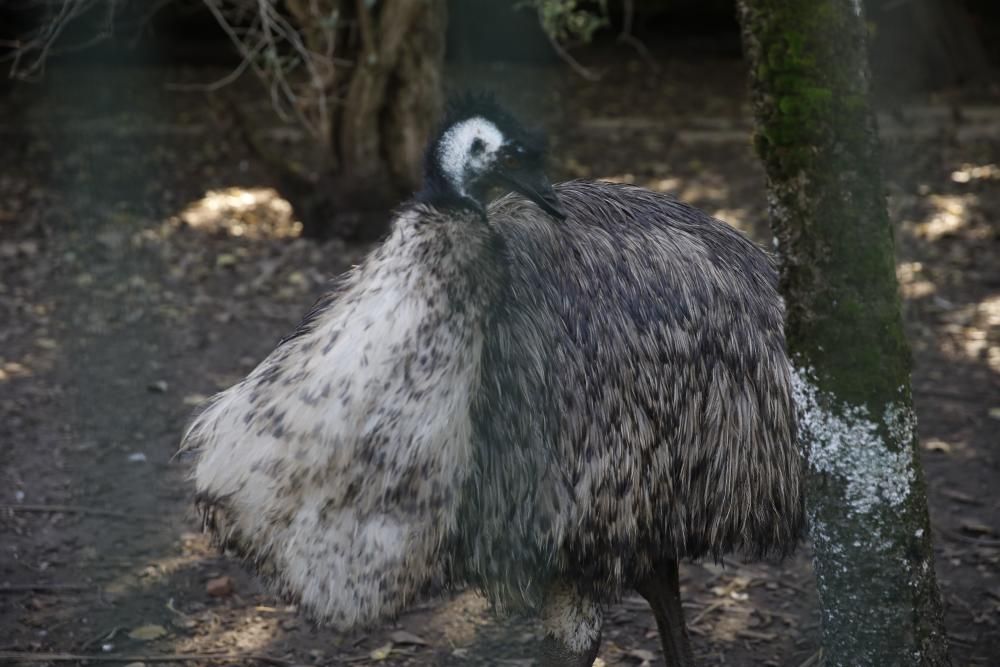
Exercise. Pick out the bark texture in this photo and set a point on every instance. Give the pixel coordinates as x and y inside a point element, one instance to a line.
<point>372,96</point>
<point>394,96</point>
<point>817,138</point>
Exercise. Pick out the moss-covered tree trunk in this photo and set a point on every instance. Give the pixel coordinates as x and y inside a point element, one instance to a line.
<point>868,512</point>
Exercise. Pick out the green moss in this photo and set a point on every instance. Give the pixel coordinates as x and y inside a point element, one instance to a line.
<point>810,135</point>
<point>815,137</point>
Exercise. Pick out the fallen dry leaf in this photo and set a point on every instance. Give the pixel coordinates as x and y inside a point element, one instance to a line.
<point>976,527</point>
<point>219,587</point>
<point>382,652</point>
<point>404,637</point>
<point>146,633</point>
<point>960,497</point>
<point>936,445</point>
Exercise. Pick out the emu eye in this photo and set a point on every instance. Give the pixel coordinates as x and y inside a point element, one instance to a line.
<point>477,146</point>
<point>512,160</point>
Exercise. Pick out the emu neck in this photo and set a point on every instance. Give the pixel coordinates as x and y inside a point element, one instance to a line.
<point>440,193</point>
<point>456,254</point>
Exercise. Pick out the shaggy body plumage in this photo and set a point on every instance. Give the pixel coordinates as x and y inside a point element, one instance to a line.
<point>553,411</point>
<point>335,465</point>
<point>636,402</point>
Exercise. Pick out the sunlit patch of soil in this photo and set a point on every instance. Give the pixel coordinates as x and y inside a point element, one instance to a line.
<point>253,213</point>
<point>912,281</point>
<point>950,216</point>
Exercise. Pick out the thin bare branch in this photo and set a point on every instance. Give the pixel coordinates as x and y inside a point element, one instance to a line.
<point>73,509</point>
<point>290,46</point>
<point>221,82</point>
<point>241,658</point>
<point>627,37</point>
<point>29,56</point>
<point>578,67</point>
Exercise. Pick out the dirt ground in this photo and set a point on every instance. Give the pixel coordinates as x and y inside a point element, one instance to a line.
<point>145,264</point>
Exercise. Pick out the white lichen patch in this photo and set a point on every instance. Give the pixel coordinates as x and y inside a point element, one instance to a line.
<point>845,442</point>
<point>456,152</point>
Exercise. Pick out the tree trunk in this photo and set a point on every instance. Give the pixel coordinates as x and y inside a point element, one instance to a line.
<point>868,511</point>
<point>394,97</point>
<point>379,110</point>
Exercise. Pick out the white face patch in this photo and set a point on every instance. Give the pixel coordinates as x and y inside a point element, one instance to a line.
<point>456,149</point>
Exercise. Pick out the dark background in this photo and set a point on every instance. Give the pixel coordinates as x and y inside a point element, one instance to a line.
<point>916,44</point>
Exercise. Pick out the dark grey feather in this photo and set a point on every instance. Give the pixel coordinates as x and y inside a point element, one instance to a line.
<point>636,400</point>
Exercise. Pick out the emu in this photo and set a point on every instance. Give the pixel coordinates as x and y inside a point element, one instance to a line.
<point>554,411</point>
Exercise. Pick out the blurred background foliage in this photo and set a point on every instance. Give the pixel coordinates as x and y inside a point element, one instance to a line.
<point>915,43</point>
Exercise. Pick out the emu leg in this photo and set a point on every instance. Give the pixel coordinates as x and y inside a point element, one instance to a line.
<point>662,589</point>
<point>572,624</point>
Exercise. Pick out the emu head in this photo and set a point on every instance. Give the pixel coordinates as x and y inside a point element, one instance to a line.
<point>481,151</point>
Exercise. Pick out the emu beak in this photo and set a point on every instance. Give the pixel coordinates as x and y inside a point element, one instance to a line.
<point>535,186</point>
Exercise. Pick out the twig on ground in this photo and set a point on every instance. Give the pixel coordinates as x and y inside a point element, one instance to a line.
<point>42,588</point>
<point>626,36</point>
<point>791,619</point>
<point>814,659</point>
<point>938,392</point>
<point>24,656</point>
<point>960,497</point>
<point>72,509</point>
<point>578,67</point>
<point>978,541</point>
<point>707,610</point>
<point>760,574</point>
<point>105,635</point>
<point>171,607</point>
<point>964,640</point>
<point>756,635</point>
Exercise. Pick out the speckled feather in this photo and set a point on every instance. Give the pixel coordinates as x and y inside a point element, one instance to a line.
<point>335,466</point>
<point>636,401</point>
<point>621,396</point>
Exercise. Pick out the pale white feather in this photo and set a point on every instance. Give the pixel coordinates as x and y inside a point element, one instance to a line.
<point>333,463</point>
